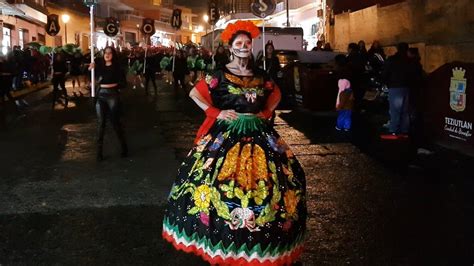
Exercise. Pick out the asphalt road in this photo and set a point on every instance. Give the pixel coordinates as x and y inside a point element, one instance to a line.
<point>370,202</point>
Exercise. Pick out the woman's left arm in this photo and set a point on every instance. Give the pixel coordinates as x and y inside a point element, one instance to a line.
<point>272,102</point>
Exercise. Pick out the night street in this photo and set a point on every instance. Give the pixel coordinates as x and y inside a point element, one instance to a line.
<point>367,204</point>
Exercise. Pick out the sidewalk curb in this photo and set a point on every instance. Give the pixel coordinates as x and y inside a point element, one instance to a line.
<point>30,89</point>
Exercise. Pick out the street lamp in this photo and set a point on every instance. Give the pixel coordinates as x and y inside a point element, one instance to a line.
<point>65,18</point>
<point>138,33</point>
<point>206,19</point>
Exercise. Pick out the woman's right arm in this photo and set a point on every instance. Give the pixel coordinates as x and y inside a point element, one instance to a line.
<point>209,109</point>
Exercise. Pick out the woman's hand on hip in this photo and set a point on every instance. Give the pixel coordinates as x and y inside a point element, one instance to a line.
<point>228,115</point>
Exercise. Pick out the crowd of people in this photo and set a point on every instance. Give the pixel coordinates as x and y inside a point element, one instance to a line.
<point>358,70</point>
<point>401,75</point>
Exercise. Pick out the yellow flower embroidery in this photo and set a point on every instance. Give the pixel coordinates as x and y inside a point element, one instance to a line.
<point>259,169</point>
<point>230,163</point>
<point>246,166</point>
<point>202,197</point>
<point>244,171</point>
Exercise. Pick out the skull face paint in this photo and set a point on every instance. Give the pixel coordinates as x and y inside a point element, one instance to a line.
<point>242,46</point>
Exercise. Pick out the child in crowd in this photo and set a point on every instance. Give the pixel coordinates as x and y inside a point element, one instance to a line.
<point>344,105</point>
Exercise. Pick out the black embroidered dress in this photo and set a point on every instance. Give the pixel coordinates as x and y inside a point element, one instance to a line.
<point>239,198</point>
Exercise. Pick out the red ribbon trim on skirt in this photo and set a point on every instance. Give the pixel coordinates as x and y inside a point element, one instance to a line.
<point>218,260</point>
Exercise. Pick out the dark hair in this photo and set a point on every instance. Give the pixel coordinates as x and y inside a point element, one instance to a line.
<point>341,60</point>
<point>402,47</point>
<point>232,39</point>
<point>268,45</point>
<point>353,46</point>
<point>415,52</point>
<point>220,46</point>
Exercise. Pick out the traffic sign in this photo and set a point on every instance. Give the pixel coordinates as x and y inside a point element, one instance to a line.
<point>213,12</point>
<point>176,21</point>
<point>263,8</point>
<point>52,25</point>
<point>91,2</point>
<point>111,27</point>
<point>148,26</point>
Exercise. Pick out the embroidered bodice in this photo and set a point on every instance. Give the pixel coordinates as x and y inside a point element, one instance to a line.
<point>243,94</point>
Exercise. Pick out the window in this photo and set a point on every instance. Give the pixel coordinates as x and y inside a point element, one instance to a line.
<point>39,2</point>
<point>58,40</point>
<point>77,38</point>
<point>41,38</point>
<point>130,37</point>
<point>22,37</point>
<point>7,40</point>
<point>165,18</point>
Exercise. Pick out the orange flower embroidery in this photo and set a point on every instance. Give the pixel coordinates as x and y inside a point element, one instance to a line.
<point>291,202</point>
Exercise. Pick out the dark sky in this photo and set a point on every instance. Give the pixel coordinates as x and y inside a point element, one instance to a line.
<point>198,6</point>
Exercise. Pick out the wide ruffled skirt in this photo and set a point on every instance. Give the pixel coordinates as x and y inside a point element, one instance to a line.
<point>239,198</point>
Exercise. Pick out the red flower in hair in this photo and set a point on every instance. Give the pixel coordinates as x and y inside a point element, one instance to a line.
<point>240,25</point>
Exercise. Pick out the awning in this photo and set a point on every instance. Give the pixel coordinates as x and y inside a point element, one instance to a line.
<point>9,10</point>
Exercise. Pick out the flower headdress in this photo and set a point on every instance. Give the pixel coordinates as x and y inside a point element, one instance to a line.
<point>240,25</point>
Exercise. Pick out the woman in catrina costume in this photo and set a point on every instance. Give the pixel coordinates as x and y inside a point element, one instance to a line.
<point>240,195</point>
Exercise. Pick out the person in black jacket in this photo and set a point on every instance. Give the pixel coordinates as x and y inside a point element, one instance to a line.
<point>398,74</point>
<point>221,58</point>
<point>272,64</point>
<point>180,71</point>
<point>111,78</point>
<point>6,79</point>
<point>151,66</point>
<point>356,64</point>
<point>59,78</point>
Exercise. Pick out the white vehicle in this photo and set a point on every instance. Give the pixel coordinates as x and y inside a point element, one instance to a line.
<point>282,38</point>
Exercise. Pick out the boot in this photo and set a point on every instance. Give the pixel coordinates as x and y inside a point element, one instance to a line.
<point>124,152</point>
<point>123,142</point>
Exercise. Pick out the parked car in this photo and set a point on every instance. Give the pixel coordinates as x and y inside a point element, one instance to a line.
<point>307,79</point>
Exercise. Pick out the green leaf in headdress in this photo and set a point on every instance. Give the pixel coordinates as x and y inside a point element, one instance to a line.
<point>164,63</point>
<point>45,50</point>
<point>69,48</point>
<point>35,45</point>
<point>200,64</point>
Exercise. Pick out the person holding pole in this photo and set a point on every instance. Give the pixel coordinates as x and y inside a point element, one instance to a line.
<point>111,79</point>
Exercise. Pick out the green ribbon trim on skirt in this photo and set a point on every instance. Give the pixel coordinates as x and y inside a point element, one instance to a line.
<point>244,124</point>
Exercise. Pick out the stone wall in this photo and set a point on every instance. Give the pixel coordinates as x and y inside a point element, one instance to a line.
<point>442,30</point>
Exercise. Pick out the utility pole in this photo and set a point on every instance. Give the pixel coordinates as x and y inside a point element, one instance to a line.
<point>287,13</point>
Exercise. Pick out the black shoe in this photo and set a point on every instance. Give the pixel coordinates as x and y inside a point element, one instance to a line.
<point>100,156</point>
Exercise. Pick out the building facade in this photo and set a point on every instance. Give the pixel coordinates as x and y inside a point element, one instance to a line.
<point>131,13</point>
<point>22,22</point>
<point>307,14</point>
<point>76,30</point>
